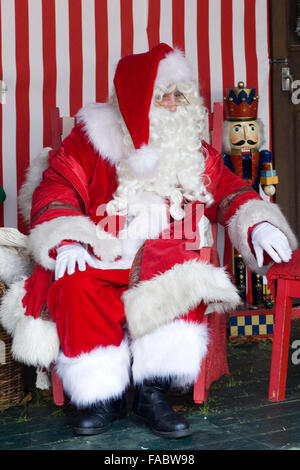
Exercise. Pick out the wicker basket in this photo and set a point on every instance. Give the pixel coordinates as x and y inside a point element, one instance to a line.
<point>11,377</point>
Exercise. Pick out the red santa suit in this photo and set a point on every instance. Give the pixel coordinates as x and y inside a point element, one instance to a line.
<point>161,300</point>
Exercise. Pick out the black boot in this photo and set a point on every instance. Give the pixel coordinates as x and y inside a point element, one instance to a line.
<point>99,417</point>
<point>150,407</point>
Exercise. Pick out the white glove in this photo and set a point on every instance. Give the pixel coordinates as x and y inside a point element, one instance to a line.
<point>269,238</point>
<point>68,256</point>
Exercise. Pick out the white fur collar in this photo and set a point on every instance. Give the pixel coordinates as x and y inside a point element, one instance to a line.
<point>102,125</point>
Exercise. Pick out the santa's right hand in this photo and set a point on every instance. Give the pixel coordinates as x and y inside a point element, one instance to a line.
<point>70,256</point>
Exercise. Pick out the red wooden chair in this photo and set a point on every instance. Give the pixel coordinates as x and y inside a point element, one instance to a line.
<point>287,278</point>
<point>57,387</point>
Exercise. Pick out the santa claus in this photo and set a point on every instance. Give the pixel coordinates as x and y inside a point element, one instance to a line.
<point>124,293</point>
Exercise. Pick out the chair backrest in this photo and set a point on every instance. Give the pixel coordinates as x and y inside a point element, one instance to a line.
<point>207,128</point>
<point>216,129</point>
<point>60,127</point>
<point>216,125</point>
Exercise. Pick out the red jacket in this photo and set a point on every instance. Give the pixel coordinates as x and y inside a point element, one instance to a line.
<point>78,181</point>
<point>170,280</point>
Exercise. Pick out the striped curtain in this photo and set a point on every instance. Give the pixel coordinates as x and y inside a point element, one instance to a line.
<point>63,53</point>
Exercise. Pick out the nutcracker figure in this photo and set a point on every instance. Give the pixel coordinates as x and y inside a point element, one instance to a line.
<point>243,137</point>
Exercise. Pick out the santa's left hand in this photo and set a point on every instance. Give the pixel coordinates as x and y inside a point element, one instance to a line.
<point>266,237</point>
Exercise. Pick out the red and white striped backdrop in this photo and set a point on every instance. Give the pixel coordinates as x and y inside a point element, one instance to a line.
<point>63,53</point>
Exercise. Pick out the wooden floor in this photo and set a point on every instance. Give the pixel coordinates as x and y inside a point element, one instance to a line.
<point>237,416</point>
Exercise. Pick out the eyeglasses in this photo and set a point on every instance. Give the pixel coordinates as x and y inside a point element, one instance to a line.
<point>180,98</point>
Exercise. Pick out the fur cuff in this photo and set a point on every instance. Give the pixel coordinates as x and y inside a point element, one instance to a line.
<point>34,341</point>
<point>99,375</point>
<point>172,294</point>
<point>144,161</point>
<point>172,351</point>
<point>250,214</point>
<point>27,346</point>
<point>48,235</point>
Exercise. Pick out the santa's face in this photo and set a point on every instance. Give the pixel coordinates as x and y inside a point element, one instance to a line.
<point>171,100</point>
<point>243,134</point>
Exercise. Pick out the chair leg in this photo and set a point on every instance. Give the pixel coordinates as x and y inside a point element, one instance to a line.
<point>281,340</point>
<point>214,365</point>
<point>57,388</point>
<point>200,393</point>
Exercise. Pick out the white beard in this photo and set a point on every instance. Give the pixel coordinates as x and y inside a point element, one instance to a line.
<point>177,136</point>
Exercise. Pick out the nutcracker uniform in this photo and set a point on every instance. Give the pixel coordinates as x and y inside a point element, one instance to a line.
<point>156,286</point>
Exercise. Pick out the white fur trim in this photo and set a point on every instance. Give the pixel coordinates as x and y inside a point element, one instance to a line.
<point>33,178</point>
<point>99,375</point>
<point>34,341</point>
<point>250,214</point>
<point>174,350</point>
<point>174,68</point>
<point>48,235</point>
<point>172,294</point>
<point>144,161</point>
<point>102,126</point>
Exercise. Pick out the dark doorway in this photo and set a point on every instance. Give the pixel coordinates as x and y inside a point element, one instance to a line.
<point>285,83</point>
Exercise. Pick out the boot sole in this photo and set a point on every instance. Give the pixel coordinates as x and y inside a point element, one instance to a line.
<point>93,431</point>
<point>90,431</point>
<point>168,435</point>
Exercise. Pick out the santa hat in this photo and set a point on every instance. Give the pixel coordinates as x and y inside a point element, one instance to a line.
<point>135,79</point>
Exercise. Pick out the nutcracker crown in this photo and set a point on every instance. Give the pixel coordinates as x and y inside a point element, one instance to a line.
<point>240,103</point>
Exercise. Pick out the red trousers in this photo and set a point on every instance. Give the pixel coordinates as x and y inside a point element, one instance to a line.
<point>89,312</point>
<point>88,309</point>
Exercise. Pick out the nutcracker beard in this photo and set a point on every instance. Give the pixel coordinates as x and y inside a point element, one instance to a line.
<point>177,136</point>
